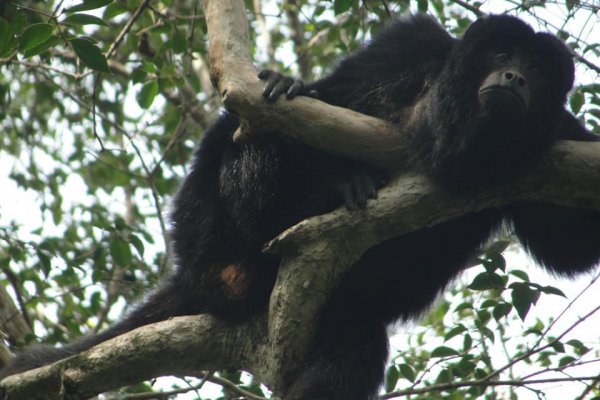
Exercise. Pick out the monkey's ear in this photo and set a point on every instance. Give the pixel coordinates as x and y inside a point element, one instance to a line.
<point>573,129</point>
<point>498,28</point>
<point>480,20</point>
<point>475,28</point>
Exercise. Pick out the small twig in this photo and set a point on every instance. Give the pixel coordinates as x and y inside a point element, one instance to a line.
<point>14,282</point>
<point>207,374</point>
<point>589,388</point>
<point>94,126</point>
<point>56,9</point>
<point>157,395</point>
<point>31,9</point>
<point>474,9</point>
<point>564,311</point>
<point>169,15</point>
<point>482,382</point>
<point>126,28</point>
<point>36,65</point>
<point>191,41</point>
<point>535,349</point>
<point>387,7</point>
<point>174,139</point>
<point>235,388</point>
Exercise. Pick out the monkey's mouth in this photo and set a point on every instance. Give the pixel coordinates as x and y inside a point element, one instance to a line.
<point>498,95</point>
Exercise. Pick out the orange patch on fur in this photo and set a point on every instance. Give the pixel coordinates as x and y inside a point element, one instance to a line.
<point>235,280</point>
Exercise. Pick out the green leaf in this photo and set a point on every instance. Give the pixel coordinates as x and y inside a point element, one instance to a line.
<point>84,19</point>
<point>34,35</point>
<point>178,42</point>
<point>466,366</point>
<point>544,358</point>
<point>486,332</point>
<point>487,280</point>
<point>522,298</point>
<point>149,67</point>
<point>457,330</point>
<point>391,378</point>
<point>558,346</point>
<point>443,351</point>
<point>6,37</point>
<point>501,310</point>
<point>576,101</point>
<point>445,376</point>
<point>467,342</point>
<point>422,5</point>
<point>40,48</point>
<point>120,223</point>
<point>483,317</point>
<point>88,5</point>
<point>120,252</point>
<point>138,244</point>
<point>533,331</point>
<point>498,247</point>
<point>146,96</point>
<point>566,360</point>
<point>90,54</point>
<point>553,290</point>
<point>44,261</point>
<point>580,348</point>
<point>95,302</point>
<point>113,10</point>
<point>494,261</point>
<point>488,303</point>
<point>463,306</point>
<point>407,372</point>
<point>522,275</point>
<point>339,6</point>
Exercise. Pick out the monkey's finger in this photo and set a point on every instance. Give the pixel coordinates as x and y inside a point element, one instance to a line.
<point>281,87</point>
<point>264,74</point>
<point>347,194</point>
<point>365,190</point>
<point>272,81</point>
<point>360,197</point>
<point>370,191</point>
<point>294,89</point>
<point>372,185</point>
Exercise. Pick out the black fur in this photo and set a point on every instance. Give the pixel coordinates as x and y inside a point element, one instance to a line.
<point>238,196</point>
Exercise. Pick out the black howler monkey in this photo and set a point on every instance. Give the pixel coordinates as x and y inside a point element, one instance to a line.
<point>482,109</point>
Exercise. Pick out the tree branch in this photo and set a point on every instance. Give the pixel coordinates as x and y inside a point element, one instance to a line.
<point>182,345</point>
<point>336,129</point>
<point>330,244</point>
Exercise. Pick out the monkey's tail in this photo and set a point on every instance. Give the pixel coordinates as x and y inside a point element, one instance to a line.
<point>159,306</point>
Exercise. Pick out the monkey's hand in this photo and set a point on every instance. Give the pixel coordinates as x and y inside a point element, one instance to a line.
<point>359,187</point>
<point>277,84</point>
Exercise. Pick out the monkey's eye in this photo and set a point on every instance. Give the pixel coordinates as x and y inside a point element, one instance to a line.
<point>503,57</point>
<point>535,68</point>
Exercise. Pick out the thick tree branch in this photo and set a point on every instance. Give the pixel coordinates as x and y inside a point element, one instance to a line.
<point>182,345</point>
<point>14,323</point>
<point>337,129</point>
<point>335,241</point>
<point>316,254</point>
<point>565,176</point>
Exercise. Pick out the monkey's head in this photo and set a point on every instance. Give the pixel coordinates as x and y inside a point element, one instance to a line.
<point>498,103</point>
